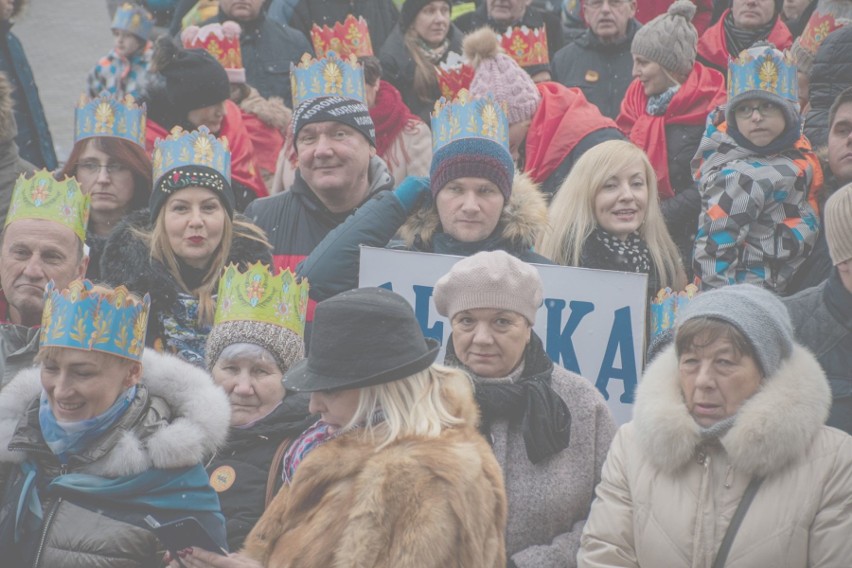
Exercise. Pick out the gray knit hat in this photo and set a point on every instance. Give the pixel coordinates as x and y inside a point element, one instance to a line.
<point>669,39</point>
<point>756,313</point>
<point>494,279</point>
<point>838,224</point>
<point>286,346</point>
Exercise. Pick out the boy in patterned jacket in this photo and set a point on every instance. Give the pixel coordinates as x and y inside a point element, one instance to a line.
<point>122,71</point>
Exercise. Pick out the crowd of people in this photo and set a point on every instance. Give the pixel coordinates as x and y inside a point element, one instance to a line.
<point>185,343</point>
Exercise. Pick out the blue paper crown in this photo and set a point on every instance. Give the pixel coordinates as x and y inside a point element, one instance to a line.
<point>107,116</point>
<point>196,148</point>
<point>108,322</point>
<point>331,75</point>
<point>135,19</point>
<point>763,68</point>
<point>466,117</point>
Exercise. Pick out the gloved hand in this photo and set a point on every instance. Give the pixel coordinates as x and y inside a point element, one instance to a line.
<point>411,191</point>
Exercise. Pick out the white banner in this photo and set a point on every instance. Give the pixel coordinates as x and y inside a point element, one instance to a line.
<point>592,322</point>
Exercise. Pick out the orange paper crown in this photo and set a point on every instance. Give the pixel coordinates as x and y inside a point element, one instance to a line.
<point>222,41</point>
<point>527,46</point>
<point>352,36</point>
<point>818,28</point>
<point>454,75</point>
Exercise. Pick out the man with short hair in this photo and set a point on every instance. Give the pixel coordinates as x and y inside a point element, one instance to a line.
<point>499,15</point>
<point>599,60</point>
<point>42,241</point>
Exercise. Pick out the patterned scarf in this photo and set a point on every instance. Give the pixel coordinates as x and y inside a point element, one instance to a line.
<point>313,437</point>
<point>434,54</point>
<point>633,250</point>
<point>659,104</point>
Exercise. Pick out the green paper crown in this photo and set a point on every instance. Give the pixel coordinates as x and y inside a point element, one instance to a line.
<point>44,197</point>
<point>257,295</point>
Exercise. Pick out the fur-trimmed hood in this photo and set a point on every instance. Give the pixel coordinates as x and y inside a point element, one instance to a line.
<point>187,420</point>
<point>520,222</point>
<point>272,111</point>
<point>8,128</point>
<point>773,428</point>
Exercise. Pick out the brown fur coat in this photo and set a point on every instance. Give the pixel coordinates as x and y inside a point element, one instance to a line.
<point>416,503</point>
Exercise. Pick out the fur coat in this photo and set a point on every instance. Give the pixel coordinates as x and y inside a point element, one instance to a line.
<point>267,121</point>
<point>416,503</point>
<point>667,496</point>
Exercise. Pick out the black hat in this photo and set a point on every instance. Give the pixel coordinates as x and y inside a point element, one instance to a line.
<point>362,338</point>
<point>409,12</point>
<point>193,77</point>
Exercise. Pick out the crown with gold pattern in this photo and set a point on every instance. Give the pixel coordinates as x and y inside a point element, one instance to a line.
<point>466,117</point>
<point>256,295</point>
<point>110,321</point>
<point>331,75</point>
<point>454,74</point>
<point>135,19</point>
<point>763,68</point>
<point>196,148</point>
<point>222,41</point>
<point>666,305</point>
<point>42,196</point>
<point>107,116</point>
<point>351,36</point>
<point>527,46</point>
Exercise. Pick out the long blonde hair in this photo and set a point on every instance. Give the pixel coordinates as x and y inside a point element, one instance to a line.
<point>572,213</point>
<point>413,406</point>
<point>425,72</point>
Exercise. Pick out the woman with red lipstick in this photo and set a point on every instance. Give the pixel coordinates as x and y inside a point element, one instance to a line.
<point>727,445</point>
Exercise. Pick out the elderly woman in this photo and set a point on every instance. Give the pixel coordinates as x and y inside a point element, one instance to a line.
<point>549,428</point>
<point>176,249</point>
<point>102,434</point>
<point>731,414</point>
<point>395,473</point>
<point>607,216</point>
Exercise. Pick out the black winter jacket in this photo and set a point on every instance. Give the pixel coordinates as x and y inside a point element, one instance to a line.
<point>831,74</point>
<point>382,16</point>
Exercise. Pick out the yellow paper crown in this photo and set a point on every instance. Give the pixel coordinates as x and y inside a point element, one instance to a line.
<point>44,197</point>
<point>352,36</point>
<point>257,295</point>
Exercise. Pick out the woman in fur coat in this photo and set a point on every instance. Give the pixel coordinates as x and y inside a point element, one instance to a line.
<point>735,404</point>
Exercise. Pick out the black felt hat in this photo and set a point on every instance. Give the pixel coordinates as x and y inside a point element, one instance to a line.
<point>362,338</point>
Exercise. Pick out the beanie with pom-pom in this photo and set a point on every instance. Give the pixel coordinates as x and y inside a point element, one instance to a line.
<point>669,39</point>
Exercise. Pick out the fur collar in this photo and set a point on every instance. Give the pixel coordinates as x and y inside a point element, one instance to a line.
<point>522,218</point>
<point>196,428</point>
<point>272,111</point>
<point>773,428</point>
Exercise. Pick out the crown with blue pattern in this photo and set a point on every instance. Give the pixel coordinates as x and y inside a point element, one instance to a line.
<point>196,148</point>
<point>108,116</point>
<point>330,75</point>
<point>763,68</point>
<point>135,19</point>
<point>109,321</point>
<point>466,117</point>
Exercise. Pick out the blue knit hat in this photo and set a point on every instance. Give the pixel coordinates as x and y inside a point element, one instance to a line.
<point>472,157</point>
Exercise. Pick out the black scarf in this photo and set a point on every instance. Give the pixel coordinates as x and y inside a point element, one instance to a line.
<point>531,401</point>
<point>633,250</point>
<point>739,39</point>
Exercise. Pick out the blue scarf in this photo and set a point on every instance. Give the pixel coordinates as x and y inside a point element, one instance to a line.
<point>658,104</point>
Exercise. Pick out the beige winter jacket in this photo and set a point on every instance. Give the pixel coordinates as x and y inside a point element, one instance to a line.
<point>666,497</point>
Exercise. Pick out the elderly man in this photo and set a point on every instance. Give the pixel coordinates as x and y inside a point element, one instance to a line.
<point>599,60</point>
<point>42,241</point>
<point>500,14</point>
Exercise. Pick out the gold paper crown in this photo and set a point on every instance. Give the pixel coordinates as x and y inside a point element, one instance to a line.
<point>44,197</point>
<point>107,116</point>
<point>352,36</point>
<point>329,75</point>
<point>527,46</point>
<point>257,295</point>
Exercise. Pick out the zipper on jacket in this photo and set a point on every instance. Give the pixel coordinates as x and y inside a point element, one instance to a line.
<point>48,520</point>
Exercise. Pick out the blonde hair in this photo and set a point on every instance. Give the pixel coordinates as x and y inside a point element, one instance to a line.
<point>413,406</point>
<point>425,72</point>
<point>572,212</point>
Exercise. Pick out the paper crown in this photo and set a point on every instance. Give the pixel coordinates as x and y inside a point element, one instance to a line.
<point>527,46</point>
<point>454,75</point>
<point>466,117</point>
<point>109,321</point>
<point>763,68</point>
<point>222,41</point>
<point>196,148</point>
<point>665,306</point>
<point>44,197</point>
<point>257,295</point>
<point>352,36</point>
<point>135,19</point>
<point>108,116</point>
<point>331,75</point>
<point>818,28</point>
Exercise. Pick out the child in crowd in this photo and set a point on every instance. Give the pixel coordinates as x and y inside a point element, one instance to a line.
<point>123,69</point>
<point>757,173</point>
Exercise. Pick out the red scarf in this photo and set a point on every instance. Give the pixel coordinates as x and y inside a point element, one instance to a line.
<point>390,116</point>
<point>563,118</point>
<point>713,46</point>
<point>703,91</point>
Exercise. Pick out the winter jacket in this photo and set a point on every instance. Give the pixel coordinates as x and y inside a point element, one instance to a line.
<point>11,163</point>
<point>118,75</point>
<point>713,46</point>
<point>549,501</point>
<point>34,141</point>
<point>603,71</point>
<point>416,503</point>
<point>172,323</point>
<point>667,496</point>
<point>822,320</point>
<point>398,70</point>
<point>831,74</point>
<point>333,265</point>
<point>18,347</point>
<point>533,18</point>
<point>382,16</point>
<point>241,470</point>
<point>177,418</point>
<point>756,224</point>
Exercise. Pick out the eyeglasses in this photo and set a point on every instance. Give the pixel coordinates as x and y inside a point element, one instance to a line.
<point>764,109</point>
<point>598,4</point>
<point>94,168</point>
